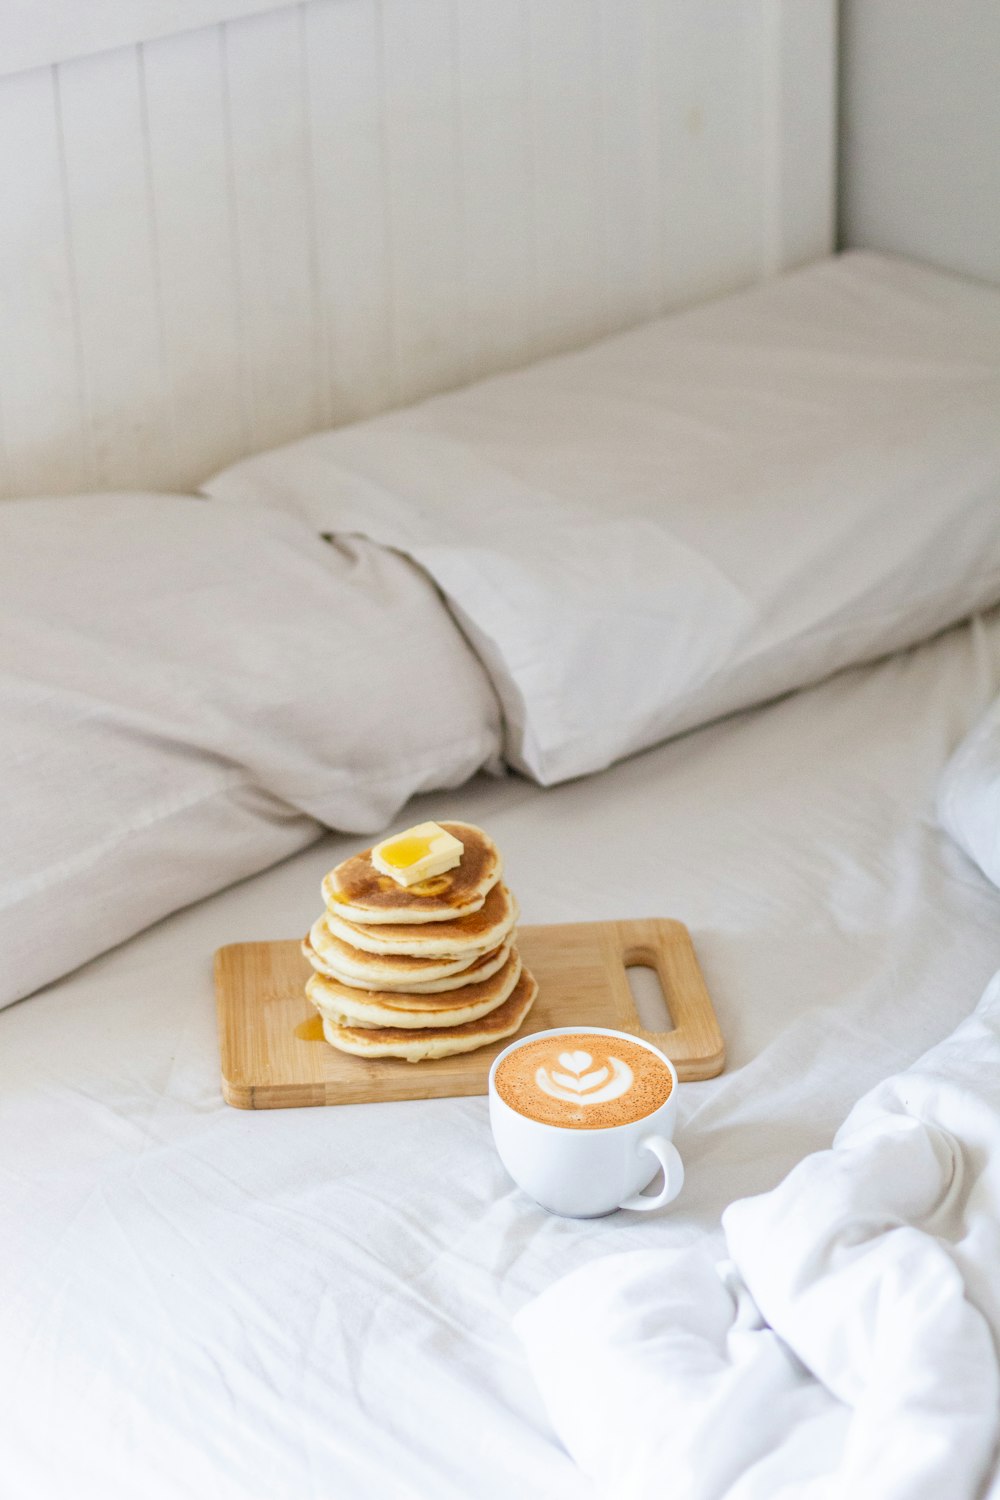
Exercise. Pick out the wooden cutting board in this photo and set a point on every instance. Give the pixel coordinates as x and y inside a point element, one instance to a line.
<point>274,1057</point>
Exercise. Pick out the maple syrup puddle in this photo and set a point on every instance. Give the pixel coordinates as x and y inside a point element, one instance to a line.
<point>311,1030</point>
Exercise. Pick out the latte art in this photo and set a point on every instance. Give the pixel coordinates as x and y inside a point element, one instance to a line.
<point>583,1080</point>
<point>576,1086</point>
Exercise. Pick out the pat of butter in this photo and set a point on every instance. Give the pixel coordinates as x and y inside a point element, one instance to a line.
<point>417,854</point>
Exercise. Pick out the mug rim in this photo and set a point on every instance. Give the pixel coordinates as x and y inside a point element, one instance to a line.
<point>626,1036</point>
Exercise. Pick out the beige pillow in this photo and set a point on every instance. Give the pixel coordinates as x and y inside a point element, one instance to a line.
<point>190,690</point>
<point>696,515</point>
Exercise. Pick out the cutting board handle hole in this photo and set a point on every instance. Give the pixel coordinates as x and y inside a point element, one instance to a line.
<point>648,996</point>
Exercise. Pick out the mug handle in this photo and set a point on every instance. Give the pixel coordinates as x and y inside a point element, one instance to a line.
<point>673,1174</point>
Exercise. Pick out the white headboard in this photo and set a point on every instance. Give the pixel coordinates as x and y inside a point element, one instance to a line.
<point>218,239</point>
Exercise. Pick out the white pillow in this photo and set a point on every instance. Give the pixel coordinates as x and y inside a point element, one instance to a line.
<point>696,515</point>
<point>188,691</point>
<point>968,800</point>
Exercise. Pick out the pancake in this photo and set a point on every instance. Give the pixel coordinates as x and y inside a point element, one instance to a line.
<point>440,1041</point>
<point>479,931</point>
<point>359,893</point>
<point>396,971</point>
<point>373,1008</point>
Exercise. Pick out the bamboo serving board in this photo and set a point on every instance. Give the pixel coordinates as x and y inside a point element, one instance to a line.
<point>274,1057</point>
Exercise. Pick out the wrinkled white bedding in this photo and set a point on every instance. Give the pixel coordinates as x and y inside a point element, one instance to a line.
<point>848,1345</point>
<point>199,1302</point>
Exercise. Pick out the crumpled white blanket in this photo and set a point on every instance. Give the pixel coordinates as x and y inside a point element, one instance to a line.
<point>846,1348</point>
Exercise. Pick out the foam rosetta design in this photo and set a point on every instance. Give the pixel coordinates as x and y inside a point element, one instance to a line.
<point>577,1085</point>
<point>583,1080</point>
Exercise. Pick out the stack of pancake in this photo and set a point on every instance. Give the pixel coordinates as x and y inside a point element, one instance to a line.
<point>422,970</point>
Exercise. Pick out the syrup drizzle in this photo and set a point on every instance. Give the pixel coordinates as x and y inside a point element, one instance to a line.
<point>311,1030</point>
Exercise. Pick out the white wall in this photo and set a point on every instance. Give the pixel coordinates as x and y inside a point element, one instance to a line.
<point>35,33</point>
<point>920,130</point>
<point>216,241</point>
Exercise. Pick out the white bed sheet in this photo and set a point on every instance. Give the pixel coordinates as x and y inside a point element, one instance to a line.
<point>201,1302</point>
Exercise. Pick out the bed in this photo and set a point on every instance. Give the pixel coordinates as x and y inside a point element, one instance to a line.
<point>251,256</point>
<point>200,1300</point>
<point>318,1302</point>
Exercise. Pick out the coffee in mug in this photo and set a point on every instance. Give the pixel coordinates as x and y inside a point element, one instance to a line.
<point>583,1117</point>
<point>583,1080</point>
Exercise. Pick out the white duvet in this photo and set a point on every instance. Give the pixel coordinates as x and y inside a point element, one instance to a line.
<point>848,1345</point>
<point>199,1302</point>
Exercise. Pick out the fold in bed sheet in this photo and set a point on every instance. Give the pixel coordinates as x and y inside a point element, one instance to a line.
<point>300,1303</point>
<point>848,1345</point>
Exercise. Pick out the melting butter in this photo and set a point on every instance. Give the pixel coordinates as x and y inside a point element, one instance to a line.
<point>417,854</point>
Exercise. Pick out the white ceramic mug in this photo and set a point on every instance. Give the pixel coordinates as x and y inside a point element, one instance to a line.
<point>583,1174</point>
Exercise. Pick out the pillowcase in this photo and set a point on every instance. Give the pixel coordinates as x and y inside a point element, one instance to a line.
<point>968,799</point>
<point>189,691</point>
<point>696,515</point>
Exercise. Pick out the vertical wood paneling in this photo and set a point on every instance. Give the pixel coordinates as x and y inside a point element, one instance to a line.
<point>709,82</point>
<point>209,415</point>
<point>6,472</point>
<point>221,240</point>
<point>632,195</point>
<point>424,184</point>
<point>497,191</point>
<point>343,48</point>
<point>44,440</point>
<point>280,319</point>
<point>113,255</point>
<point>37,33</point>
<point>567,142</point>
<point>801,141</point>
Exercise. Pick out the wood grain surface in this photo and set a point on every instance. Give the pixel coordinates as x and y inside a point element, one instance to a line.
<point>581,970</point>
